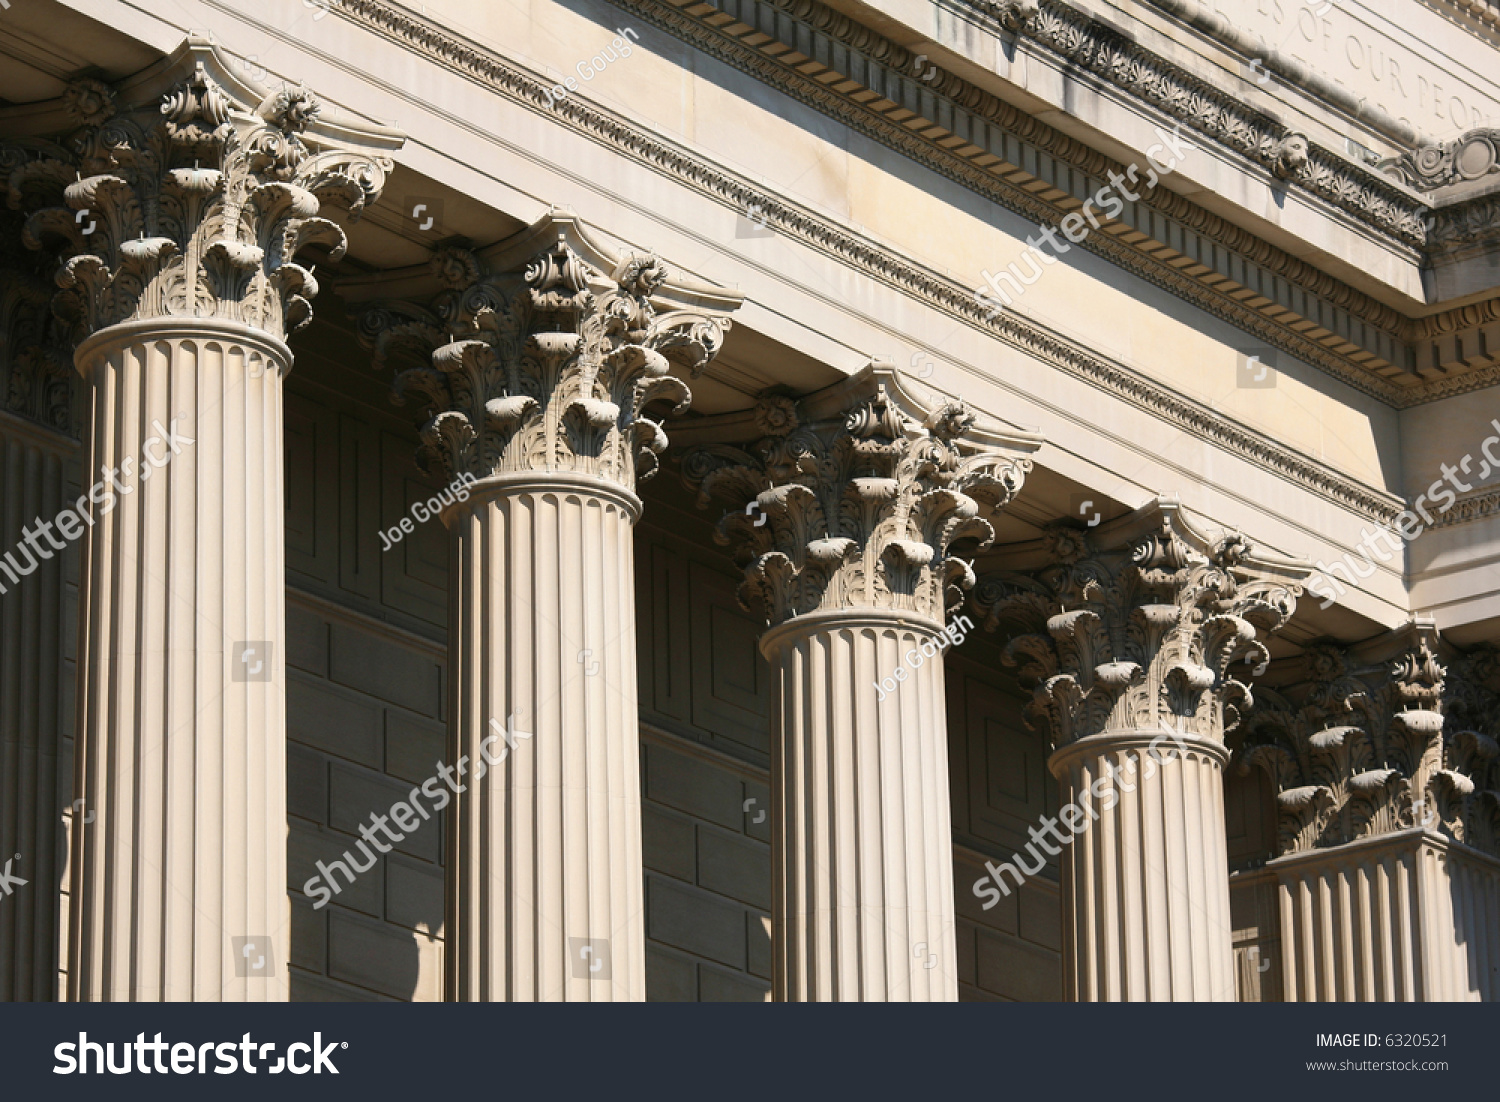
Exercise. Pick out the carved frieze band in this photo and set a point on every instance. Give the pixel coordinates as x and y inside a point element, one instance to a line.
<point>881,263</point>
<point>1098,48</point>
<point>1364,746</point>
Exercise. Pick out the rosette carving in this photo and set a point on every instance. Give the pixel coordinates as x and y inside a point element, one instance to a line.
<point>1356,749</point>
<point>857,510</point>
<point>550,366</point>
<point>1137,637</point>
<point>193,203</point>
<point>1429,167</point>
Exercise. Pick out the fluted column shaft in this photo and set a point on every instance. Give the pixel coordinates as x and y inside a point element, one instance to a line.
<point>33,484</point>
<point>1404,917</point>
<point>539,402</point>
<point>862,845</point>
<point>183,765</point>
<point>1136,633</point>
<point>546,845</point>
<point>845,514</point>
<point>1145,895</point>
<point>175,285</point>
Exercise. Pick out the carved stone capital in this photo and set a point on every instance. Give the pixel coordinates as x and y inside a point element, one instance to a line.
<point>855,498</point>
<point>1135,627</point>
<point>1356,748</point>
<point>1468,789</point>
<point>190,193</point>
<point>545,352</point>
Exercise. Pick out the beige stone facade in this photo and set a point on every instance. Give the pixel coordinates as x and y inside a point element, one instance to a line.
<point>804,500</point>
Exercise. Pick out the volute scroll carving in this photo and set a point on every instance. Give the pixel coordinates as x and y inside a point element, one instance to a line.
<point>1365,745</point>
<point>1143,625</point>
<point>195,200</point>
<point>1429,167</point>
<point>856,497</point>
<point>547,354</point>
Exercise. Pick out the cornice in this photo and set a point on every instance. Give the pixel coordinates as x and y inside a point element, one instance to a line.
<point>1370,368</point>
<point>1205,20</point>
<point>1363,340</point>
<point>987,162</point>
<point>1096,47</point>
<point>1269,299</point>
<point>1481,18</point>
<point>1471,507</point>
<point>860,253</point>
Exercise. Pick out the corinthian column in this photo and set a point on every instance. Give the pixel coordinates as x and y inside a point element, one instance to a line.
<point>1388,833</point>
<point>539,404</point>
<point>845,514</point>
<point>37,449</point>
<point>1135,628</point>
<point>181,215</point>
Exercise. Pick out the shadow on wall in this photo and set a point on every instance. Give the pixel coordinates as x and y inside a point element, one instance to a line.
<point>379,938</point>
<point>1474,885</point>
